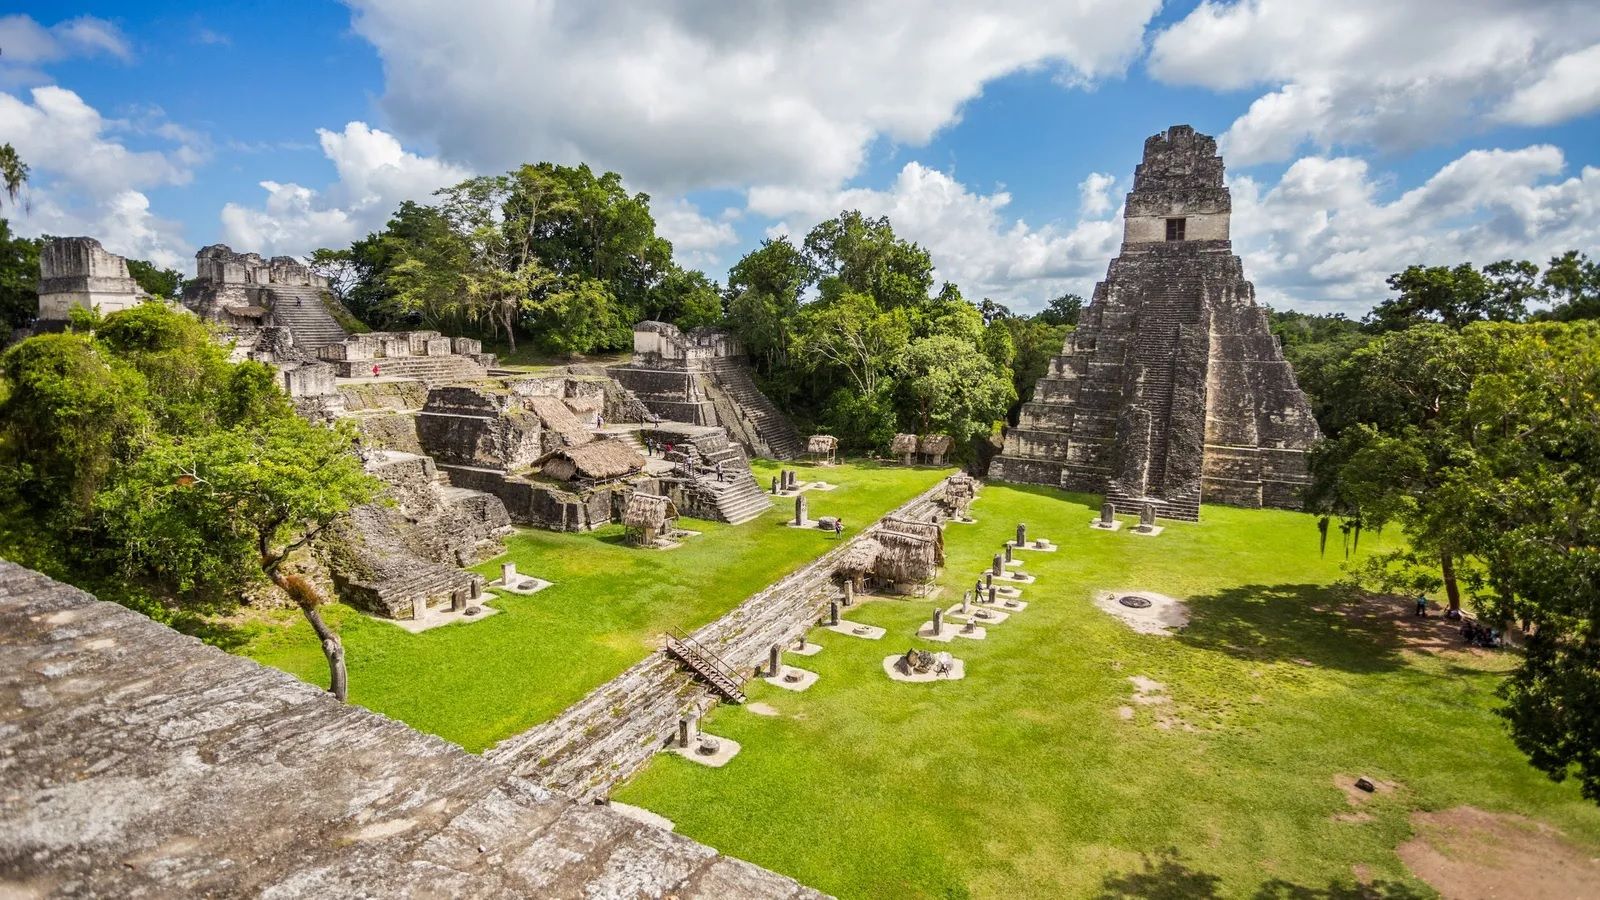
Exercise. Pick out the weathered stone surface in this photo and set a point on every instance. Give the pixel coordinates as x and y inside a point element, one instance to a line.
<point>140,762</point>
<point>389,557</point>
<point>1172,388</point>
<point>76,272</point>
<point>702,377</point>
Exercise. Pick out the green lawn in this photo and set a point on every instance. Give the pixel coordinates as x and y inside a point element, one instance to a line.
<point>1023,780</point>
<point>479,682</point>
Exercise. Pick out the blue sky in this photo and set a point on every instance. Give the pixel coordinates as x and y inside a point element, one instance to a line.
<point>1360,136</point>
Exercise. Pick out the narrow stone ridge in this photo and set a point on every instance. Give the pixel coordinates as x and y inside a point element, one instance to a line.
<point>140,762</point>
<point>606,737</point>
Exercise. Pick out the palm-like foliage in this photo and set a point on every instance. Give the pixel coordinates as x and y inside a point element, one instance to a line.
<point>13,172</point>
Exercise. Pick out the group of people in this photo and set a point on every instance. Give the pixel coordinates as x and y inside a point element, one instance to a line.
<point>1480,635</point>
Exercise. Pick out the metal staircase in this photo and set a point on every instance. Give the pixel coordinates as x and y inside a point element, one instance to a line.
<point>711,668</point>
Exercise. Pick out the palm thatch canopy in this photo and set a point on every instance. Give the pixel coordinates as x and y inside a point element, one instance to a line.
<point>822,443</point>
<point>903,444</point>
<point>594,461</point>
<point>959,489</point>
<point>861,559</point>
<point>936,444</point>
<point>648,511</point>
<point>925,530</point>
<point>906,559</point>
<point>555,415</point>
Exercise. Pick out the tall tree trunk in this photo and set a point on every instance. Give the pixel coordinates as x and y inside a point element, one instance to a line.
<point>1447,567</point>
<point>305,596</point>
<point>333,649</point>
<point>511,332</point>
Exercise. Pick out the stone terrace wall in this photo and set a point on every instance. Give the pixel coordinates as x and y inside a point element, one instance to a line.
<point>606,737</point>
<point>140,762</point>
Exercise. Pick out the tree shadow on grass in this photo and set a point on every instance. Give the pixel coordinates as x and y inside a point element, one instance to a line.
<point>1166,876</point>
<point>1298,623</point>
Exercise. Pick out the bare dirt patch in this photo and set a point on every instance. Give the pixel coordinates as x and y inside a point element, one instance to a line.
<point>1356,796</point>
<point>1160,614</point>
<point>1431,635</point>
<point>1468,853</point>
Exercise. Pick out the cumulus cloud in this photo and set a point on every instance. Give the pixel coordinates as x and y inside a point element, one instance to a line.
<point>29,45</point>
<point>1568,89</point>
<point>1094,193</point>
<point>1323,238</point>
<point>974,243</point>
<point>696,237</point>
<point>1381,73</point>
<point>86,180</point>
<point>375,174</point>
<point>683,94</point>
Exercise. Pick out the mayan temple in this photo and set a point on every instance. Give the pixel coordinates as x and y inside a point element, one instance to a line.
<point>1172,390</point>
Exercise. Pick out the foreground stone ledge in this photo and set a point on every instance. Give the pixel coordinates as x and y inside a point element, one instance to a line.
<point>138,761</point>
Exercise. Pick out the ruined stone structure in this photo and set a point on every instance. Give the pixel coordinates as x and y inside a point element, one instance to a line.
<point>138,762</point>
<point>78,272</point>
<point>1172,389</point>
<point>245,291</point>
<point>404,554</point>
<point>702,377</point>
<point>424,355</point>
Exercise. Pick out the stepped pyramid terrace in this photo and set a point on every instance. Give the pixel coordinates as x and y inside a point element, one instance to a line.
<point>1172,390</point>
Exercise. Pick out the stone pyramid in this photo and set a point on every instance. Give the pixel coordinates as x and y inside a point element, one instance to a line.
<point>1172,390</point>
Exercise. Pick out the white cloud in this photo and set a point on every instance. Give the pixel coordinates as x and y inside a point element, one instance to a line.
<point>375,174</point>
<point>1568,89</point>
<point>1323,238</point>
<point>696,238</point>
<point>28,45</point>
<point>971,239</point>
<point>1378,72</point>
<point>85,180</point>
<point>1094,193</point>
<point>683,94</point>
<point>60,134</point>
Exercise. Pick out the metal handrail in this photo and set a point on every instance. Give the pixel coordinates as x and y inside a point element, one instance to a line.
<point>711,659</point>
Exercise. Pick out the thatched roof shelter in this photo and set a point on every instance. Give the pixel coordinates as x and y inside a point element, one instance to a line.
<point>556,416</point>
<point>647,515</point>
<point>925,530</point>
<point>822,443</point>
<point>648,511</point>
<point>861,559</point>
<point>959,489</point>
<point>907,560</point>
<point>935,444</point>
<point>594,461</point>
<point>903,444</point>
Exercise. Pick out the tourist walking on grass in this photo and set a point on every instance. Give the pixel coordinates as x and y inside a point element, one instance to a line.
<point>1422,605</point>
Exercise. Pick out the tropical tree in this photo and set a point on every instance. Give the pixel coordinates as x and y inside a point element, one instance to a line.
<point>195,509</point>
<point>13,172</point>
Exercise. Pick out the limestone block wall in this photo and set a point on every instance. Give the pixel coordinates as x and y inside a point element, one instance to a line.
<point>78,272</point>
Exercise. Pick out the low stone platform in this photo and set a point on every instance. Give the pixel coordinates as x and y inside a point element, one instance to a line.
<point>891,667</point>
<point>802,678</point>
<point>726,750</point>
<point>872,632</point>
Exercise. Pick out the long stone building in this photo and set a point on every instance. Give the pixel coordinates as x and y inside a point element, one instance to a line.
<point>1172,389</point>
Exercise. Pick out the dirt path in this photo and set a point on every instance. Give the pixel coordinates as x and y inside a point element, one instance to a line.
<point>1468,854</point>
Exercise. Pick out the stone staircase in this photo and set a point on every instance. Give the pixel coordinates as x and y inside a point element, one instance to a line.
<point>1164,309</point>
<point>738,499</point>
<point>430,369</point>
<point>302,308</point>
<point>771,425</point>
<point>711,669</point>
